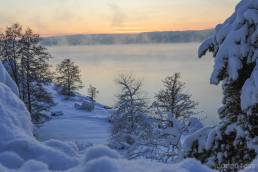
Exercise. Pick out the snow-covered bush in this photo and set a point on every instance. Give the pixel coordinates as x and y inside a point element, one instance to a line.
<point>163,141</point>
<point>235,49</point>
<point>147,132</point>
<point>85,105</point>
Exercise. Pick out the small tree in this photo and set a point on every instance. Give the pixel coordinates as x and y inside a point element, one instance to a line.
<point>68,79</point>
<point>128,119</point>
<point>92,91</point>
<point>173,99</point>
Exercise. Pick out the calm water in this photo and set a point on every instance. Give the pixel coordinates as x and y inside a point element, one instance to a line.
<point>100,65</point>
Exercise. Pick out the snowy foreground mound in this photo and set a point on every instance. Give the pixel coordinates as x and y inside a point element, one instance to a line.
<point>20,151</point>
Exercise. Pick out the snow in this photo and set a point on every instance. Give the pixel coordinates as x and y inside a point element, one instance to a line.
<point>194,124</point>
<point>21,152</point>
<point>249,93</point>
<point>235,128</point>
<point>91,130</point>
<point>7,80</point>
<point>33,165</point>
<point>68,148</point>
<point>206,45</point>
<point>234,47</point>
<point>74,124</point>
<point>200,135</point>
<point>14,118</point>
<point>11,160</point>
<point>105,164</point>
<point>99,151</point>
<point>30,149</point>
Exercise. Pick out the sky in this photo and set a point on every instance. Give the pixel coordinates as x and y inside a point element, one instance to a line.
<point>61,17</point>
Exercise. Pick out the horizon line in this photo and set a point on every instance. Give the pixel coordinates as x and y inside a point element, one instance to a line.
<point>121,33</point>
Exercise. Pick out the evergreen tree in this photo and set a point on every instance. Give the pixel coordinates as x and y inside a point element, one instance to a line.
<point>234,46</point>
<point>34,74</point>
<point>68,79</point>
<point>173,99</point>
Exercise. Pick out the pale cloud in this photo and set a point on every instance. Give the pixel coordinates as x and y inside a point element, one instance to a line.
<point>118,15</point>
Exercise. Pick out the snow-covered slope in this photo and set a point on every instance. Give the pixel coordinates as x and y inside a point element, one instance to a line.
<point>75,125</point>
<point>21,152</point>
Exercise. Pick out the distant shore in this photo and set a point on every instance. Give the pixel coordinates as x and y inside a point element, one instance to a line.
<point>140,38</point>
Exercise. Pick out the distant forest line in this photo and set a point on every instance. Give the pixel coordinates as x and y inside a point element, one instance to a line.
<point>140,38</point>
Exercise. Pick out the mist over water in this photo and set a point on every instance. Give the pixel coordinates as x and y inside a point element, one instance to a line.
<point>101,65</point>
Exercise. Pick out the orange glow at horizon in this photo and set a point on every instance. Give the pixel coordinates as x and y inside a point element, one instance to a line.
<point>52,17</point>
<point>129,30</point>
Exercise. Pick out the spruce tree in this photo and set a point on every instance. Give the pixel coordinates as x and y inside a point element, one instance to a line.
<point>68,79</point>
<point>34,74</point>
<point>231,144</point>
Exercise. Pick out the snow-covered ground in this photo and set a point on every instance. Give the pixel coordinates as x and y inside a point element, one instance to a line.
<point>21,152</point>
<point>74,124</point>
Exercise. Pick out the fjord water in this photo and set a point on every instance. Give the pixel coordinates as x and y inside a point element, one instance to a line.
<point>101,64</point>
